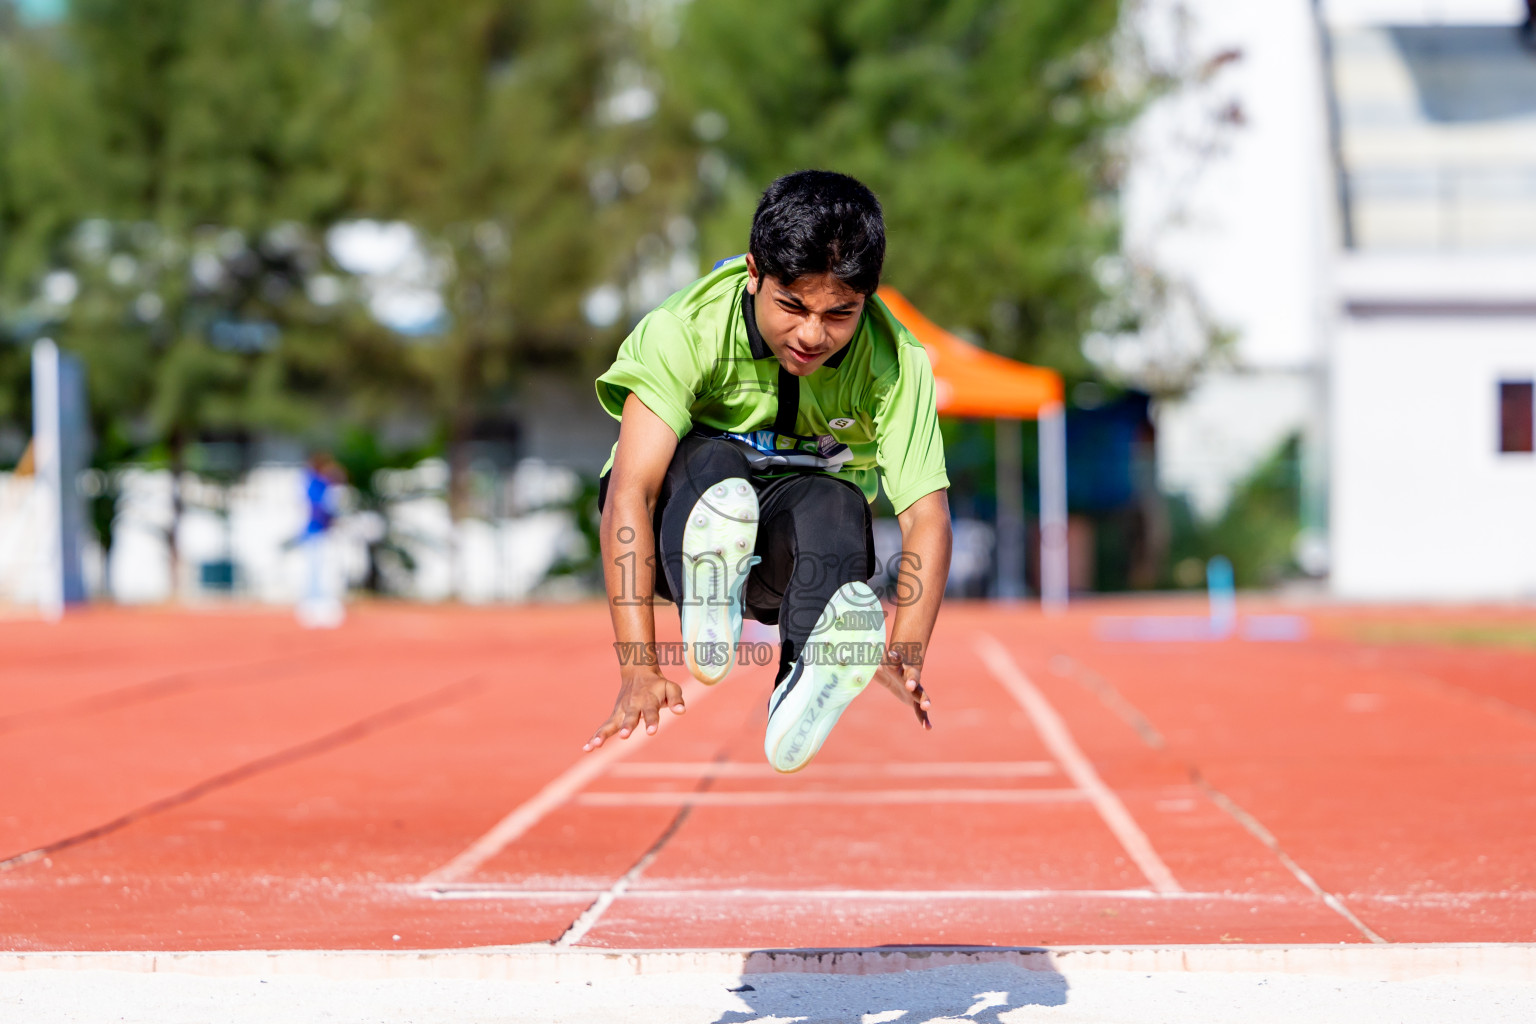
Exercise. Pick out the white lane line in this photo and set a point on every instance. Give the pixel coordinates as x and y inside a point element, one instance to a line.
<point>1053,732</point>
<point>587,919</point>
<point>491,891</point>
<point>775,798</point>
<point>1258,831</point>
<point>556,792</point>
<point>894,769</point>
<point>1116,702</point>
<point>1448,898</point>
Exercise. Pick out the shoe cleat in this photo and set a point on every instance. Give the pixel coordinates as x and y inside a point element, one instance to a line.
<point>724,519</point>
<point>837,662</point>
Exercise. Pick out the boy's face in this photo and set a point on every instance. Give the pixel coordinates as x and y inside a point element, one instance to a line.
<point>806,321</point>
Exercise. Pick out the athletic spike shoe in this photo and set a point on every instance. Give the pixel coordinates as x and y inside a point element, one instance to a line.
<point>717,555</point>
<point>837,662</point>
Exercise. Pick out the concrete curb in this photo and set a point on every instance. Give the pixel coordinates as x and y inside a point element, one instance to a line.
<point>1495,961</point>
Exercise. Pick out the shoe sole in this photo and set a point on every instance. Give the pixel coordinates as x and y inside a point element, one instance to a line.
<point>826,678</point>
<point>717,555</point>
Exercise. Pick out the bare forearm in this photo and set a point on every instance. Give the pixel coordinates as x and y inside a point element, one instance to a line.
<point>629,569</point>
<point>628,541</point>
<point>926,545</point>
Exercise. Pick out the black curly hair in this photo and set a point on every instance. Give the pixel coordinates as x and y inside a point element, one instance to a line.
<point>813,222</point>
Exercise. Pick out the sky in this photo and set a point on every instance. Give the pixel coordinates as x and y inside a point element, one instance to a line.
<point>40,10</point>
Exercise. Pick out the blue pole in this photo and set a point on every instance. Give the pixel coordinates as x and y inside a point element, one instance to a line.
<point>1220,583</point>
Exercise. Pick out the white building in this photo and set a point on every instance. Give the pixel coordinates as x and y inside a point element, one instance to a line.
<point>1433,347</point>
<point>1370,233</point>
<point>1228,195</point>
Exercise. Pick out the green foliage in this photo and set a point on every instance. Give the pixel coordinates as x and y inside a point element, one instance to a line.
<point>363,459</point>
<point>488,129</point>
<point>586,570</point>
<point>361,456</point>
<point>169,168</point>
<point>172,164</point>
<point>982,125</point>
<point>1257,531</point>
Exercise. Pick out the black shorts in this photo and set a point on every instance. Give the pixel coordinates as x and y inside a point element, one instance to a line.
<point>814,534</point>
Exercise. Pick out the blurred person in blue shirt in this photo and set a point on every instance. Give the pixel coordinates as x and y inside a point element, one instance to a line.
<point>320,606</point>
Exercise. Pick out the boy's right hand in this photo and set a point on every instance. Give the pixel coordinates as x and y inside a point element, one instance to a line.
<point>643,692</point>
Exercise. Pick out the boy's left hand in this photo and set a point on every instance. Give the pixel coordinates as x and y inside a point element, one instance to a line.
<point>905,681</point>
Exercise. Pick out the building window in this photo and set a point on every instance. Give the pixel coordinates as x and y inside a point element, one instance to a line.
<point>1517,418</point>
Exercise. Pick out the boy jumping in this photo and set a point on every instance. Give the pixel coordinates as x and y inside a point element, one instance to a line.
<point>755,408</point>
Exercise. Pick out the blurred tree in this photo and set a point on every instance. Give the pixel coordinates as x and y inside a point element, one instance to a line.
<point>170,168</point>
<point>1256,531</point>
<point>499,130</point>
<point>985,127</point>
<point>365,462</point>
<point>1157,333</point>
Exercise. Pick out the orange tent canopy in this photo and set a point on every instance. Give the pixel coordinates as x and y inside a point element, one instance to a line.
<point>970,381</point>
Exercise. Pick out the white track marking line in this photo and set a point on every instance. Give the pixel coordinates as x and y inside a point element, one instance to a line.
<point>1053,732</point>
<point>490,891</point>
<point>587,919</point>
<point>1117,703</point>
<point>1258,831</point>
<point>495,892</point>
<point>690,799</point>
<point>897,769</point>
<point>775,798</point>
<point>557,791</point>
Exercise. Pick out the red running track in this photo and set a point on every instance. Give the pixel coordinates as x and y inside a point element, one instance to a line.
<point>182,780</point>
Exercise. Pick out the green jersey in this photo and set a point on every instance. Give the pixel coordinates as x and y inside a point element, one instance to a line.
<point>699,362</point>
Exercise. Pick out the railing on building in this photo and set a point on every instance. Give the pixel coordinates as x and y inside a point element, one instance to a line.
<point>1444,207</point>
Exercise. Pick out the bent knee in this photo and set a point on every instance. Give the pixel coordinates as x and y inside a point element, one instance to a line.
<point>708,460</point>
<point>840,502</point>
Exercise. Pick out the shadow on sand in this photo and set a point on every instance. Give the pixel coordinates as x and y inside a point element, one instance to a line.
<point>889,985</point>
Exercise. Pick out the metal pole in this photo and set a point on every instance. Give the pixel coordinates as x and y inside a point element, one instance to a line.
<point>1053,508</point>
<point>1222,587</point>
<point>47,455</point>
<point>1010,509</point>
